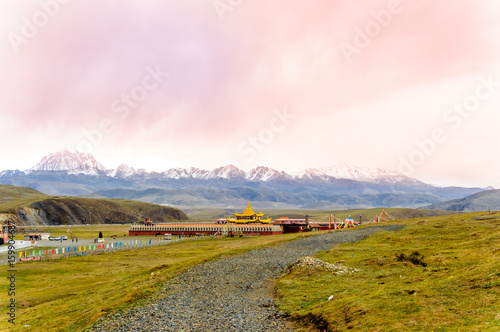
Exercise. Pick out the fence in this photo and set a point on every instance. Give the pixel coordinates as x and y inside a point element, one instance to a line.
<point>95,249</point>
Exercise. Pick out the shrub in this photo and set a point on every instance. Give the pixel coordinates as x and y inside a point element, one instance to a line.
<point>415,258</point>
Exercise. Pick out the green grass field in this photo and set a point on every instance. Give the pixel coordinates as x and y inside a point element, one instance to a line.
<point>82,231</point>
<point>69,294</point>
<point>458,289</point>
<point>455,287</point>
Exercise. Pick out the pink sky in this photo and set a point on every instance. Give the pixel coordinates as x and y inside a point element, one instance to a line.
<point>229,77</point>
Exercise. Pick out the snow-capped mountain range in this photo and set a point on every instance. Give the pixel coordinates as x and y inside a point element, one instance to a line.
<point>372,175</point>
<point>75,173</point>
<point>74,163</point>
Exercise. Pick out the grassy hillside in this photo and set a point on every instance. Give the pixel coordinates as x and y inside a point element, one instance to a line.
<point>437,274</point>
<point>474,203</point>
<point>34,208</point>
<point>11,196</point>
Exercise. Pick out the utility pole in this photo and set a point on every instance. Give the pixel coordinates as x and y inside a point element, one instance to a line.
<point>91,222</point>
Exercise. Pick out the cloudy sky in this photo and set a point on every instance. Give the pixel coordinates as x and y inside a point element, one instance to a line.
<point>410,85</point>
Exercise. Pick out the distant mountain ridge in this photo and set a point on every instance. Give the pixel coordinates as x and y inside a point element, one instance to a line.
<point>478,202</point>
<point>69,173</point>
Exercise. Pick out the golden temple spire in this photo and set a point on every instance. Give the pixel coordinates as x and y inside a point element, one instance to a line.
<point>249,209</point>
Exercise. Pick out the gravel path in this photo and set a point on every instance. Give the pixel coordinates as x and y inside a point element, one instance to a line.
<point>232,294</point>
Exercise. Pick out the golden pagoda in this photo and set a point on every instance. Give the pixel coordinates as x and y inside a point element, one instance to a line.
<point>249,217</point>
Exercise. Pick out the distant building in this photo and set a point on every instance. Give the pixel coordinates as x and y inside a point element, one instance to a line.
<point>249,217</point>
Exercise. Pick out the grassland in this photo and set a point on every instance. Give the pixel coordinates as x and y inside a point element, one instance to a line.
<point>82,231</point>
<point>455,286</point>
<point>69,294</point>
<point>457,289</point>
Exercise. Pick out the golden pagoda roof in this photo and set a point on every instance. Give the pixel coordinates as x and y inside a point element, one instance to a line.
<point>248,212</point>
<point>249,221</point>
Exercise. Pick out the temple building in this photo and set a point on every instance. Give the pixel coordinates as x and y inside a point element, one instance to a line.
<point>249,217</point>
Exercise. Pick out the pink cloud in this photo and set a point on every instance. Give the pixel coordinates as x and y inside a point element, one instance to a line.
<point>75,67</point>
<point>226,76</point>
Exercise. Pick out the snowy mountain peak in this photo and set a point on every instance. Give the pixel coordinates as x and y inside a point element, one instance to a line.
<point>226,172</point>
<point>359,173</point>
<point>342,171</point>
<point>71,162</point>
<point>176,173</point>
<point>123,171</point>
<point>262,173</point>
<point>11,173</point>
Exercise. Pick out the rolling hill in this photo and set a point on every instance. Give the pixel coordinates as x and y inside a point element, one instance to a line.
<point>10,194</point>
<point>482,201</point>
<point>31,207</point>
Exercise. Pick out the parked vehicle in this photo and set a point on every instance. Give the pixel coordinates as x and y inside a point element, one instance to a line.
<point>58,238</point>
